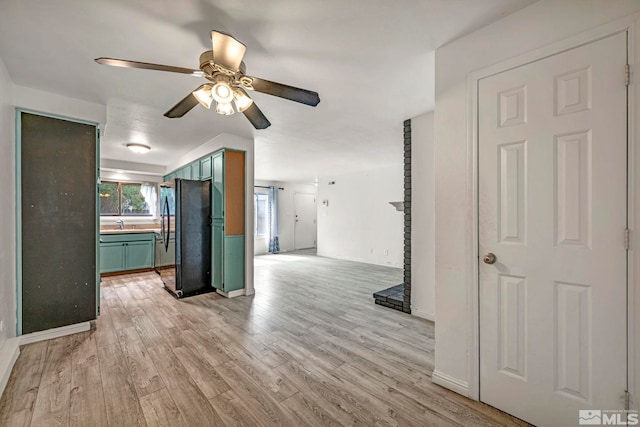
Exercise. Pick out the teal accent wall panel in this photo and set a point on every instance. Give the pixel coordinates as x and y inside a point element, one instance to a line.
<point>233,263</point>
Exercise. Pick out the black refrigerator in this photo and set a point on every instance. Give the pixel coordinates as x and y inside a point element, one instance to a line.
<point>186,211</point>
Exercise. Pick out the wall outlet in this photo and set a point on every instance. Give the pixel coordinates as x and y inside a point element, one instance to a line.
<point>386,252</point>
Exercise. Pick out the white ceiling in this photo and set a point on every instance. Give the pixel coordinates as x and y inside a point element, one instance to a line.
<point>371,61</point>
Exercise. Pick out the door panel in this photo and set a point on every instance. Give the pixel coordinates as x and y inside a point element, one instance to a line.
<point>217,255</point>
<point>58,222</point>
<point>139,255</point>
<point>217,188</point>
<point>305,225</point>
<point>552,208</point>
<point>111,257</point>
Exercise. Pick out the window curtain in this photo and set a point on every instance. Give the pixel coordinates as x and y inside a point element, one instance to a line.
<point>150,195</point>
<point>274,231</point>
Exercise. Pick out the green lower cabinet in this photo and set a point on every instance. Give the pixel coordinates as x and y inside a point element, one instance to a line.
<point>139,255</point>
<point>217,244</point>
<point>123,252</point>
<point>111,257</point>
<point>233,270</point>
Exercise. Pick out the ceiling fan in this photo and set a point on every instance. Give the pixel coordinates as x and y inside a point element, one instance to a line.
<point>225,70</point>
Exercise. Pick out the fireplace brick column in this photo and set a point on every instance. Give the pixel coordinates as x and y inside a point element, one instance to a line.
<point>406,306</point>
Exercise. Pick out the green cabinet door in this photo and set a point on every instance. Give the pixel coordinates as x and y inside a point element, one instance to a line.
<point>217,244</point>
<point>205,168</point>
<point>217,189</point>
<point>233,260</point>
<point>195,170</point>
<point>111,257</point>
<point>139,255</point>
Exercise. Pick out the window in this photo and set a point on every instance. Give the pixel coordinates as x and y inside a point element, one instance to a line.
<point>262,214</point>
<point>124,198</point>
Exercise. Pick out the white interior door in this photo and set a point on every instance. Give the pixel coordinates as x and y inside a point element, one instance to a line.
<point>552,189</point>
<point>305,228</point>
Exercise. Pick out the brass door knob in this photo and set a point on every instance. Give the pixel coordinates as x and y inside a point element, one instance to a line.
<point>490,258</point>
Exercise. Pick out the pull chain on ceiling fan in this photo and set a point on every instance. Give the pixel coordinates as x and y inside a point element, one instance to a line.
<point>225,70</point>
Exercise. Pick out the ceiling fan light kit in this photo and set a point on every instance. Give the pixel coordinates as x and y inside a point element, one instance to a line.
<point>224,68</point>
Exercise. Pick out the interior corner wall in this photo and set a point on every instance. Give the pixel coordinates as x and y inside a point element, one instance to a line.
<point>358,223</point>
<point>7,209</point>
<point>423,211</point>
<point>540,24</point>
<point>286,214</point>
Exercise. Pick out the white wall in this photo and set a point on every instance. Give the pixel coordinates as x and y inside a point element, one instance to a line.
<point>7,210</point>
<point>542,23</point>
<point>239,143</point>
<point>359,224</point>
<point>286,214</point>
<point>423,225</point>
<point>52,103</point>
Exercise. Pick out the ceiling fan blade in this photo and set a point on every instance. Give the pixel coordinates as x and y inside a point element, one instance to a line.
<point>147,66</point>
<point>291,93</point>
<point>182,107</point>
<point>256,117</point>
<point>227,51</point>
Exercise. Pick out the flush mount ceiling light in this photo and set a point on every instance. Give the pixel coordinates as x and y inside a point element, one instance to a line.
<point>224,68</point>
<point>139,148</point>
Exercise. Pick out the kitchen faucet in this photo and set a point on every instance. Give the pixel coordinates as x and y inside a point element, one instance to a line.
<point>120,223</point>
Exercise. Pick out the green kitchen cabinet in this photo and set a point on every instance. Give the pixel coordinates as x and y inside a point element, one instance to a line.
<point>169,177</point>
<point>184,173</point>
<point>124,252</point>
<point>205,168</point>
<point>111,257</point>
<point>228,211</point>
<point>139,255</point>
<point>195,170</point>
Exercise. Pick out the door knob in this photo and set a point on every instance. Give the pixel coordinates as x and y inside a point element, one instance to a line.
<point>489,258</point>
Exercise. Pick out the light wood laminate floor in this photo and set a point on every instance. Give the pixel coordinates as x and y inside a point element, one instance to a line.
<point>310,348</point>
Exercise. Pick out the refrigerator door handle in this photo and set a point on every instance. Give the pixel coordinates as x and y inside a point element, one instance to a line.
<point>167,231</point>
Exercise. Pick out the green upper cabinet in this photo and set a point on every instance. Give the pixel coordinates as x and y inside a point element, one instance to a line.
<point>195,170</point>
<point>205,168</point>
<point>217,189</point>
<point>184,173</point>
<point>169,177</point>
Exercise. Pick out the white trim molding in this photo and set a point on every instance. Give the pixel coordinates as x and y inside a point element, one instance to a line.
<point>233,294</point>
<point>9,352</point>
<point>54,333</point>
<point>449,382</point>
<point>423,314</point>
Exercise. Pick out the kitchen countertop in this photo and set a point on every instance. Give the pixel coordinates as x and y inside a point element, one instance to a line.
<point>131,231</point>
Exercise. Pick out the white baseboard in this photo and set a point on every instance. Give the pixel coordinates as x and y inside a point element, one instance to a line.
<point>9,352</point>
<point>232,294</point>
<point>423,314</point>
<point>54,333</point>
<point>249,292</point>
<point>453,384</point>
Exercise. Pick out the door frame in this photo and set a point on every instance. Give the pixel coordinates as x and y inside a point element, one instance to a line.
<point>315,218</point>
<point>629,24</point>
